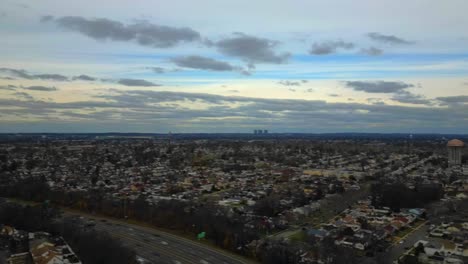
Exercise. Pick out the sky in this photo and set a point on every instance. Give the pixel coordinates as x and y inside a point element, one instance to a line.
<point>215,66</point>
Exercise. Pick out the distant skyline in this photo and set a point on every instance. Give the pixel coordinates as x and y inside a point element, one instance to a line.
<point>234,66</point>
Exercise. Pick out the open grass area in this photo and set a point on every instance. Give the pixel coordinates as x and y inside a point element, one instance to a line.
<point>403,233</point>
<point>23,202</point>
<point>419,222</point>
<point>299,236</point>
<point>410,229</point>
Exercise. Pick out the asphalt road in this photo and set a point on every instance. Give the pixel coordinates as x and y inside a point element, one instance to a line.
<point>154,246</point>
<point>398,249</point>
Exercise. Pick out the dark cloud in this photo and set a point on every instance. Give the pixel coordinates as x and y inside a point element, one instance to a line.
<point>84,78</point>
<point>136,82</point>
<point>388,39</point>
<point>333,95</point>
<point>139,97</point>
<point>46,18</point>
<point>202,63</point>
<point>375,101</point>
<point>378,86</point>
<point>15,72</point>
<point>142,109</point>
<point>24,95</point>
<point>329,47</point>
<point>290,83</point>
<point>25,75</point>
<point>245,72</point>
<point>252,49</point>
<point>142,32</point>
<point>8,87</point>
<point>410,98</point>
<point>157,69</point>
<point>371,51</point>
<point>454,99</point>
<point>253,107</point>
<point>310,90</point>
<point>55,77</point>
<point>22,5</point>
<point>233,91</point>
<point>40,88</point>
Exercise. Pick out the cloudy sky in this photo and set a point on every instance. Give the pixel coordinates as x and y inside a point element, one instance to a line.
<point>234,66</point>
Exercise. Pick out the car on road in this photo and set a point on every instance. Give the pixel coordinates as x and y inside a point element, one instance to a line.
<point>141,260</point>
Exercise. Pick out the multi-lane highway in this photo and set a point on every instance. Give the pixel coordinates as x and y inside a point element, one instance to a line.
<point>154,246</point>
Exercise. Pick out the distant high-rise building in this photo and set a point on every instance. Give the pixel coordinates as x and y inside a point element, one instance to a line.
<point>260,131</point>
<point>455,147</point>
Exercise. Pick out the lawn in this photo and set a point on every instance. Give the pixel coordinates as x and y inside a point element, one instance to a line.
<point>299,236</point>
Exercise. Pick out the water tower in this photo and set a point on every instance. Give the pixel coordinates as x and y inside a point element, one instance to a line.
<point>455,147</point>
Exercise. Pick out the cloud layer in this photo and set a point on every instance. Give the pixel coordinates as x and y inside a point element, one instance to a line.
<point>84,78</point>
<point>291,83</point>
<point>252,49</point>
<point>143,32</point>
<point>329,47</point>
<point>176,110</point>
<point>372,51</point>
<point>136,82</point>
<point>202,63</point>
<point>55,72</point>
<point>388,39</point>
<point>40,88</point>
<point>25,75</point>
<point>378,86</point>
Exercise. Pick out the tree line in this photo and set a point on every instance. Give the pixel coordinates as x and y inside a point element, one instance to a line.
<point>397,195</point>
<point>91,246</point>
<point>225,228</point>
